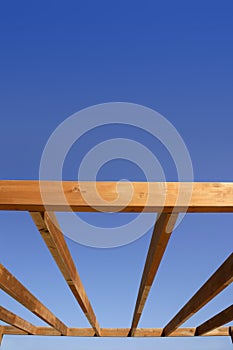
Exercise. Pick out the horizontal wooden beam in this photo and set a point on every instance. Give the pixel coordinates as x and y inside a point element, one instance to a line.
<point>16,321</point>
<point>218,320</point>
<point>215,284</point>
<point>57,246</point>
<point>10,285</point>
<point>118,332</point>
<point>114,196</point>
<point>159,240</point>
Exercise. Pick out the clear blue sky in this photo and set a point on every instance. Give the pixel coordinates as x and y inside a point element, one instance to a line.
<point>176,57</point>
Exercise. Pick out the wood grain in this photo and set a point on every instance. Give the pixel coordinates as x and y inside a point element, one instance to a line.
<point>16,321</point>
<point>113,196</point>
<point>118,332</point>
<point>16,290</point>
<point>218,320</point>
<point>57,246</point>
<point>160,237</point>
<point>215,284</point>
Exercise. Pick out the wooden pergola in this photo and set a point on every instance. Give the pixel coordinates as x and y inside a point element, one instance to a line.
<point>26,196</point>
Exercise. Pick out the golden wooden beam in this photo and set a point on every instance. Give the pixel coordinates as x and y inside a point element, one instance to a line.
<point>57,246</point>
<point>16,290</point>
<point>218,320</point>
<point>1,334</point>
<point>215,284</point>
<point>16,321</point>
<point>160,237</point>
<point>113,196</point>
<point>118,332</point>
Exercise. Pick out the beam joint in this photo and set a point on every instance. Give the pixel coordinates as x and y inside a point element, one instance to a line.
<point>10,285</point>
<point>159,240</point>
<point>53,237</point>
<point>214,285</point>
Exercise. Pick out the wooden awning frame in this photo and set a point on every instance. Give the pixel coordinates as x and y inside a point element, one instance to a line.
<point>206,197</point>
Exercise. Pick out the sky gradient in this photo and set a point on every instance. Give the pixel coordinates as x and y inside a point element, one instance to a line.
<point>175,57</point>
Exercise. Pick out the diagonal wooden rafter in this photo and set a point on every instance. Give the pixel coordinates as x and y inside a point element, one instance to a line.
<point>218,320</point>
<point>16,290</point>
<point>214,285</point>
<point>16,321</point>
<point>160,237</point>
<point>55,241</point>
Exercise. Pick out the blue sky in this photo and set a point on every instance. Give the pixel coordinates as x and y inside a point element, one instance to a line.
<point>173,56</point>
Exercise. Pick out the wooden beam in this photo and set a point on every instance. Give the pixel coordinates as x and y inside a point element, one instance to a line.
<point>160,237</point>
<point>16,321</point>
<point>118,332</point>
<point>56,243</point>
<point>1,334</point>
<point>148,196</point>
<point>16,290</point>
<point>218,320</point>
<point>215,284</point>
<point>231,333</point>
